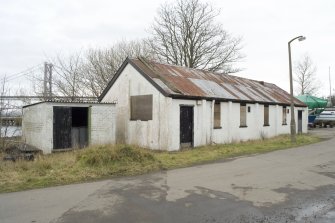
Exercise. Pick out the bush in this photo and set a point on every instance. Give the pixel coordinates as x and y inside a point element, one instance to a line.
<point>134,154</point>
<point>103,155</point>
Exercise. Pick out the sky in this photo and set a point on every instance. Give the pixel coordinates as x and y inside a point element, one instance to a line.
<point>33,31</point>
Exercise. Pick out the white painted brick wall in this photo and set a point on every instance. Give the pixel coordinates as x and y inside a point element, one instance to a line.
<point>37,127</point>
<point>102,124</point>
<point>37,124</point>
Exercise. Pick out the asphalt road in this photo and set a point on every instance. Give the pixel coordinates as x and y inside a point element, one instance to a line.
<point>295,185</point>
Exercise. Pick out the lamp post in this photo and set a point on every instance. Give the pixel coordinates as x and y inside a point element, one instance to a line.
<point>293,129</point>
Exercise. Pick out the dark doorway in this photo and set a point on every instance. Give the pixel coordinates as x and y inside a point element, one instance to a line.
<point>300,121</point>
<point>79,132</point>
<point>186,126</point>
<point>62,125</point>
<point>70,127</point>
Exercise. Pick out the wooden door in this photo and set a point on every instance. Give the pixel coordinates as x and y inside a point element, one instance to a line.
<point>62,124</point>
<point>186,126</point>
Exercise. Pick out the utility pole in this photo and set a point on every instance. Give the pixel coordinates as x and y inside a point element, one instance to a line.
<point>293,128</point>
<point>50,80</point>
<point>330,90</point>
<point>47,81</point>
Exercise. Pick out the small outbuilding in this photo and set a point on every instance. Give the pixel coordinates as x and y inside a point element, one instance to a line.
<point>167,107</point>
<point>58,125</point>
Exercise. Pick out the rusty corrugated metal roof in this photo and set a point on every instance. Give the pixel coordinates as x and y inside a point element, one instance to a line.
<point>177,81</point>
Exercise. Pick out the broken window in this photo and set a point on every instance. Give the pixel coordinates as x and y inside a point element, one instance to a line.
<point>243,115</point>
<point>141,107</point>
<point>284,115</point>
<point>217,115</point>
<point>266,115</point>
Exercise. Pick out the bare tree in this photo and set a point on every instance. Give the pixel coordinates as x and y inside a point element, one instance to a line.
<point>186,34</point>
<point>9,116</point>
<point>36,80</point>
<point>332,100</point>
<point>69,77</point>
<point>100,65</point>
<point>3,108</point>
<point>88,73</point>
<point>305,76</point>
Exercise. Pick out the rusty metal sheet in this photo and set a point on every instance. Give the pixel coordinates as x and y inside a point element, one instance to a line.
<point>177,80</point>
<point>163,85</point>
<point>212,89</point>
<point>240,94</point>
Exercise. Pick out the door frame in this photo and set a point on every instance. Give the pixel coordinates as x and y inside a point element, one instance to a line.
<point>300,121</point>
<point>192,141</point>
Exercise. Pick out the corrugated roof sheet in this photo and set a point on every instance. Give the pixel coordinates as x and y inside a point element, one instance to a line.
<point>60,101</point>
<point>181,81</point>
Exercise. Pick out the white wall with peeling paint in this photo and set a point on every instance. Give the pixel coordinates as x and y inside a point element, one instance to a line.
<point>153,133</point>
<point>163,131</point>
<point>102,125</point>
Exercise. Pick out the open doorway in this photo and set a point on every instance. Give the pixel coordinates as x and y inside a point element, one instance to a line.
<point>79,127</point>
<point>70,127</point>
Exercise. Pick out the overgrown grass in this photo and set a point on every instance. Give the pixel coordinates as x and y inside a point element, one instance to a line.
<point>206,154</point>
<point>123,160</point>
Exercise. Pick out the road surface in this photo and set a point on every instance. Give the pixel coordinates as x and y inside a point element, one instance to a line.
<point>294,185</point>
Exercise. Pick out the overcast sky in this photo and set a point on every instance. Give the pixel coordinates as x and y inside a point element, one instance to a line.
<point>33,30</point>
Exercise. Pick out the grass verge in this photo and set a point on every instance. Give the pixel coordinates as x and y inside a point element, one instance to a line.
<point>100,162</point>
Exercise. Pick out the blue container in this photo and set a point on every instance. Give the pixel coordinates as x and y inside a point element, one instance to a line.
<point>311,119</point>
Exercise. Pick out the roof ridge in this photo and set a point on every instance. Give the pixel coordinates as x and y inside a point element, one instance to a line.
<point>154,72</point>
<point>161,77</point>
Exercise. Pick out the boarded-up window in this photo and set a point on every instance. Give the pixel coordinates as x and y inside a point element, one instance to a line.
<point>243,115</point>
<point>141,107</point>
<point>266,115</point>
<point>217,115</point>
<point>284,116</point>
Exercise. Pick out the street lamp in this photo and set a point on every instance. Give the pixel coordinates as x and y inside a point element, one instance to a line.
<point>293,129</point>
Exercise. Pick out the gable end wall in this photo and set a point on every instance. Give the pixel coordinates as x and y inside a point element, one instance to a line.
<point>152,134</point>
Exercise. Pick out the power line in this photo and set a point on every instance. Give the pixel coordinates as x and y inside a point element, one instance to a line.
<point>22,73</point>
<point>26,70</point>
<point>20,97</point>
<point>27,73</point>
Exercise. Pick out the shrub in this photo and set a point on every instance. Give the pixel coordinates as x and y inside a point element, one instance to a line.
<point>103,155</point>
